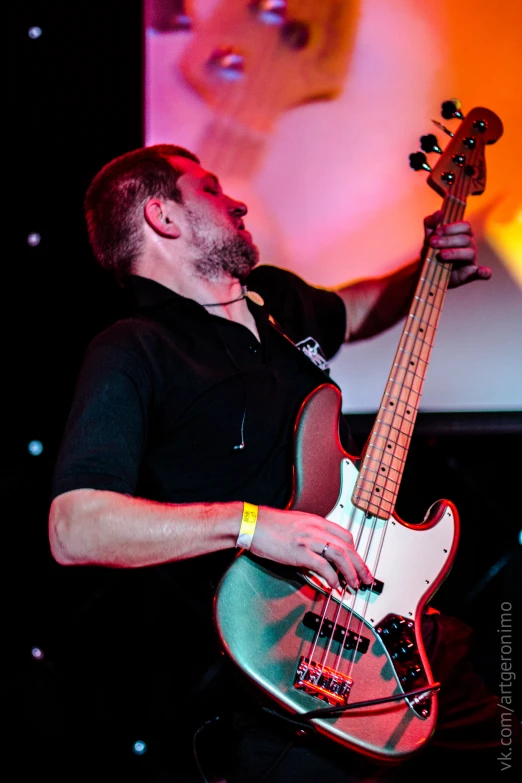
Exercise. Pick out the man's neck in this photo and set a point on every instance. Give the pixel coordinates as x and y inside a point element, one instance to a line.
<point>223,296</point>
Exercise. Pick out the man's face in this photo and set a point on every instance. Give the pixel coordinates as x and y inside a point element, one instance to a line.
<point>214,226</point>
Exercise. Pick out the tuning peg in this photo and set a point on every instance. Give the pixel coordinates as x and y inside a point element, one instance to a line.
<point>443,127</point>
<point>429,143</point>
<point>418,161</point>
<point>270,11</point>
<point>229,63</point>
<point>451,110</point>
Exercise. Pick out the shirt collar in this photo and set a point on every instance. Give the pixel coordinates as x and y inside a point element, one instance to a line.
<point>144,292</point>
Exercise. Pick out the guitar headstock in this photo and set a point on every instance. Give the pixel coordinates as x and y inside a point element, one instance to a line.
<point>461,168</point>
<point>250,60</point>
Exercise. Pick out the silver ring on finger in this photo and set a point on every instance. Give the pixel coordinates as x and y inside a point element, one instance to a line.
<point>325,547</point>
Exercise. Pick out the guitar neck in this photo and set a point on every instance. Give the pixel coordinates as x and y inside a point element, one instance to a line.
<point>231,148</point>
<point>387,448</point>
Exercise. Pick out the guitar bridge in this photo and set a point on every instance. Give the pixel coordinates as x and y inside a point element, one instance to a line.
<point>324,683</point>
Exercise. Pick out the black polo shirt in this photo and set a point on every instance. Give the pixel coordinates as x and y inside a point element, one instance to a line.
<point>166,394</point>
<point>157,411</point>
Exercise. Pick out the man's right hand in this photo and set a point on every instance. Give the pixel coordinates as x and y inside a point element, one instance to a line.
<point>296,538</point>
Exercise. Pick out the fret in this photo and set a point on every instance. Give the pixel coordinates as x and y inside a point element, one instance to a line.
<point>397,449</point>
<point>385,461</point>
<point>410,355</point>
<point>457,200</point>
<point>403,409</point>
<point>399,446</point>
<point>407,397</point>
<point>377,479</point>
<point>394,419</point>
<point>390,423</point>
<point>431,298</point>
<point>376,494</point>
<point>407,391</point>
<point>424,322</point>
<point>431,284</point>
<point>420,360</point>
<point>430,304</point>
<point>378,507</point>
<point>415,338</point>
<point>423,328</point>
<point>420,340</point>
<point>392,474</point>
<point>407,371</point>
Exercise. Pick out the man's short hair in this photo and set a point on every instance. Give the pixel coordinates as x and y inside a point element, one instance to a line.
<point>115,198</point>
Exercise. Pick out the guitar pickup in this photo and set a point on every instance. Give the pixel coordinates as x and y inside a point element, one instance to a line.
<point>349,639</point>
<point>375,587</point>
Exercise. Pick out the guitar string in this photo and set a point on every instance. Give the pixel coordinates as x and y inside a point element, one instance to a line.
<point>452,207</point>
<point>354,596</point>
<point>437,273</point>
<point>370,538</point>
<point>451,210</point>
<point>350,610</point>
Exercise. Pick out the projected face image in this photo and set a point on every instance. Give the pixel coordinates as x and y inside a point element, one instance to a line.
<point>309,115</point>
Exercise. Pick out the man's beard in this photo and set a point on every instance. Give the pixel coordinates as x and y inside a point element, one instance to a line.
<point>234,255</point>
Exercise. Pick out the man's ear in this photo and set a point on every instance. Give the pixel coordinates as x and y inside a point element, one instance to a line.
<point>159,215</point>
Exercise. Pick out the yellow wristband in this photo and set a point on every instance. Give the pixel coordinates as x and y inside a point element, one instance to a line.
<point>248,526</point>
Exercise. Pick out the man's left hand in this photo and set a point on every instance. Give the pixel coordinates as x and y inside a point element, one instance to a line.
<point>456,244</point>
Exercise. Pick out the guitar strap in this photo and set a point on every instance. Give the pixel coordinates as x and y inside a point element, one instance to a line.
<point>312,350</point>
<point>309,347</point>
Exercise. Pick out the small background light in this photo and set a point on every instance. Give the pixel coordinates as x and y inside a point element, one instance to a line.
<point>139,748</point>
<point>33,240</point>
<point>34,32</point>
<point>37,654</point>
<point>35,448</point>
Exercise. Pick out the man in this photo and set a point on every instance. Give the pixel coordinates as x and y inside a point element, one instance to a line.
<point>178,447</point>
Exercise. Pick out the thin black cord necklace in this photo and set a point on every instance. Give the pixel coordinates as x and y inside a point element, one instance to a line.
<point>252,295</point>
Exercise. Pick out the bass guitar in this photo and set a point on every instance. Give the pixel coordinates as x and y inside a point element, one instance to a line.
<point>352,663</point>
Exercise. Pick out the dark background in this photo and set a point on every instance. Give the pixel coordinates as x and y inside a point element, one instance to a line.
<point>74,102</point>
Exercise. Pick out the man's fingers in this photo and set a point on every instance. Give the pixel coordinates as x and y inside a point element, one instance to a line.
<point>336,555</point>
<point>335,530</point>
<point>451,240</point>
<point>322,567</point>
<point>346,556</point>
<point>462,255</point>
<point>349,563</point>
<point>466,274</point>
<point>432,221</point>
<point>460,227</point>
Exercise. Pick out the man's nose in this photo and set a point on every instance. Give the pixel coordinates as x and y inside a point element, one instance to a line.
<point>237,208</point>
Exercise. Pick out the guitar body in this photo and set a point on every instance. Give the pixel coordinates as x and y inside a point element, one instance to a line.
<point>267,616</point>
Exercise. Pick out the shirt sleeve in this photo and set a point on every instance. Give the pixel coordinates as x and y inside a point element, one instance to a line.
<point>301,309</point>
<point>106,429</point>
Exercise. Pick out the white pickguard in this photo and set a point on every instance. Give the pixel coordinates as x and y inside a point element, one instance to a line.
<point>406,560</point>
